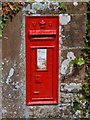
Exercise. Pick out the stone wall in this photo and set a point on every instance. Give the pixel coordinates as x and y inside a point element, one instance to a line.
<point>71,41</point>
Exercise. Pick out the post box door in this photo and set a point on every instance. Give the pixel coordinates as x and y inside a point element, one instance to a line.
<point>41,74</point>
<point>42,65</point>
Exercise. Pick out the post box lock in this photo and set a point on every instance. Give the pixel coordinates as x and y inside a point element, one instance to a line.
<point>42,48</point>
<point>37,79</point>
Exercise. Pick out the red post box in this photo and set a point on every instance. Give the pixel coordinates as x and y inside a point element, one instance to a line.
<point>42,49</point>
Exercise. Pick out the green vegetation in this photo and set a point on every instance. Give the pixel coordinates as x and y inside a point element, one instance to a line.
<point>82,100</point>
<point>8,10</point>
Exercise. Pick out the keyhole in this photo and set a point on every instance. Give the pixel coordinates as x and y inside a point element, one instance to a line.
<point>36,76</point>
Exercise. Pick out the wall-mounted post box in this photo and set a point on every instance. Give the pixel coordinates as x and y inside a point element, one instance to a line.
<point>42,48</point>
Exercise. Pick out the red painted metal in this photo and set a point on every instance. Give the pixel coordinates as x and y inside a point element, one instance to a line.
<point>42,37</point>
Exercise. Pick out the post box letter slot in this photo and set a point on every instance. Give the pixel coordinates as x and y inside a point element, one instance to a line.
<point>42,37</point>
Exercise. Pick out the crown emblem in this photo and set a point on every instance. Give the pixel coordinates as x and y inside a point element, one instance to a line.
<point>42,23</point>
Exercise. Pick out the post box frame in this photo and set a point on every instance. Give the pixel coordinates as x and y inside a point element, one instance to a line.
<point>47,45</point>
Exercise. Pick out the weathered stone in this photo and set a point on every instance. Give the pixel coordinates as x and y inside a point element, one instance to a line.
<point>80,8</point>
<point>0,102</point>
<point>65,111</point>
<point>0,76</point>
<point>11,77</point>
<point>66,97</point>
<point>66,68</point>
<point>53,8</point>
<point>46,112</point>
<point>73,73</point>
<point>53,0</point>
<point>70,87</point>
<point>64,19</point>
<point>45,8</point>
<point>74,32</point>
